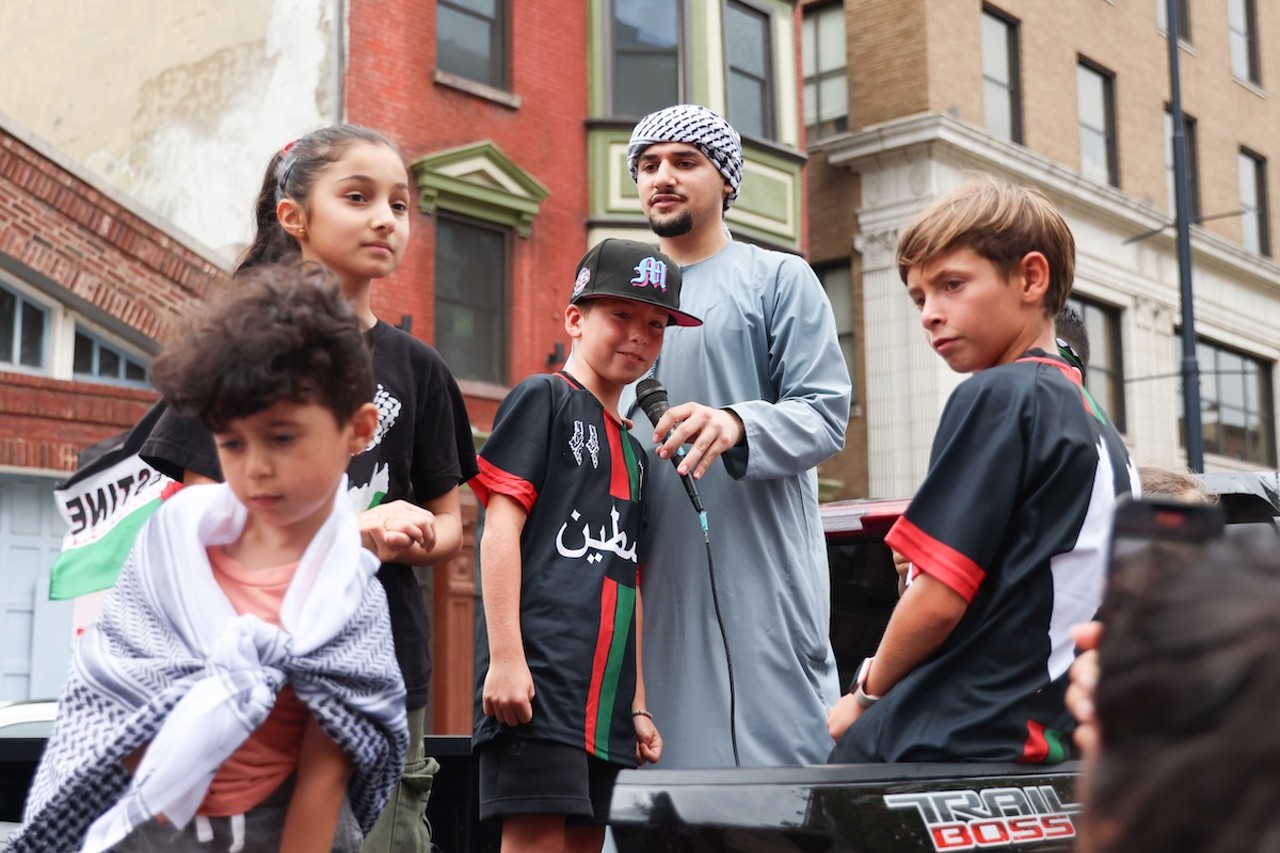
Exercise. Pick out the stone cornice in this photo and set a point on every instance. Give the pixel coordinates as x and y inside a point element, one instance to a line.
<point>916,145</point>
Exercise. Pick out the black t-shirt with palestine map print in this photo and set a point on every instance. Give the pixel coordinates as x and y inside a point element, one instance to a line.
<point>1014,516</point>
<point>579,473</point>
<point>422,449</point>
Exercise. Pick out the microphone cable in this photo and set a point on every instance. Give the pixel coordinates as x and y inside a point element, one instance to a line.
<point>724,638</point>
<point>651,397</point>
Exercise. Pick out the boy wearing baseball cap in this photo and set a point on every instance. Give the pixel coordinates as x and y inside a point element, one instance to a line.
<point>561,708</point>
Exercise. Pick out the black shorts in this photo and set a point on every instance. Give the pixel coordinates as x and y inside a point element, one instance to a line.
<point>524,776</point>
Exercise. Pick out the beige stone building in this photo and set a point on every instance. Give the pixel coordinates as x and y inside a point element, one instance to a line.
<point>905,97</point>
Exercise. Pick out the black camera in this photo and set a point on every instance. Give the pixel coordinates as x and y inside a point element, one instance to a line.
<point>1149,536</point>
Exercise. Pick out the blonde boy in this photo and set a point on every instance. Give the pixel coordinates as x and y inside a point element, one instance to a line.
<point>1008,534</point>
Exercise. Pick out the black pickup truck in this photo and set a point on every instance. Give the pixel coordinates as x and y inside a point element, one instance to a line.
<point>861,808</point>
<point>890,808</point>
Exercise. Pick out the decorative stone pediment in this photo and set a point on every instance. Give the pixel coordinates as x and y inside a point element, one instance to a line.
<point>479,180</point>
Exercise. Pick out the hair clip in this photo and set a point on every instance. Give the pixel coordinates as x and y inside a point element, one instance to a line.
<point>284,169</point>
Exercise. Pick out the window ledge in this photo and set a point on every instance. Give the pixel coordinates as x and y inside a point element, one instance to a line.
<point>482,390</point>
<point>480,90</point>
<point>1183,42</point>
<point>1250,85</point>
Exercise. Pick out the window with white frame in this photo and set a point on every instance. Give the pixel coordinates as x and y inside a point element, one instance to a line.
<point>647,40</point>
<point>1095,94</point>
<point>1182,8</point>
<point>97,361</point>
<point>1242,24</point>
<point>24,332</point>
<point>749,55</point>
<point>837,281</point>
<point>1235,402</point>
<point>1001,86</point>
<point>824,59</point>
<point>1254,219</point>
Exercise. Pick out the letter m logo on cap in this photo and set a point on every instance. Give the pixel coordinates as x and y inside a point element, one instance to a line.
<point>651,272</point>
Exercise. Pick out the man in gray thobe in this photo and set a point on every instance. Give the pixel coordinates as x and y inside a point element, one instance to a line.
<point>762,386</point>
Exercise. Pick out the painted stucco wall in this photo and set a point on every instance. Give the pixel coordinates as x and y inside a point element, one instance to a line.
<point>177,104</point>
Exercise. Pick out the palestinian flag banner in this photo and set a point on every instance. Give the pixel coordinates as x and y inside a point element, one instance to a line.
<point>105,503</point>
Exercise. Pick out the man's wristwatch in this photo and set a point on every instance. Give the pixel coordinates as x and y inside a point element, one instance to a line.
<point>858,687</point>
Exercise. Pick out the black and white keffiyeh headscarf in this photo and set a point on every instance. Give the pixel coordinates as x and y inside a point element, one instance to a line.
<point>697,126</point>
<point>169,664</point>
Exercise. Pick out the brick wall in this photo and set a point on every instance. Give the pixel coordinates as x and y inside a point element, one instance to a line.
<point>58,232</point>
<point>390,87</point>
<point>834,194</point>
<point>888,50</point>
<point>911,56</point>
<point>45,422</point>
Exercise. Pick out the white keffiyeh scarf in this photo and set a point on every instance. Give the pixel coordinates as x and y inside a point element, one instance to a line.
<point>694,125</point>
<point>170,665</point>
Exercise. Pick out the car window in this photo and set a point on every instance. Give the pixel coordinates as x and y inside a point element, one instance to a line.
<point>864,589</point>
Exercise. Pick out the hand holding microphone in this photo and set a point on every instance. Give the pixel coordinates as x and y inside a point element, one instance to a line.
<point>652,398</point>
<point>708,431</point>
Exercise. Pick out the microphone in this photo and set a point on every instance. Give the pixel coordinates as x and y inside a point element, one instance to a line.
<point>652,398</point>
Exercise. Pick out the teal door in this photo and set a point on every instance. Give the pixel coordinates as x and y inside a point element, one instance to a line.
<point>35,633</point>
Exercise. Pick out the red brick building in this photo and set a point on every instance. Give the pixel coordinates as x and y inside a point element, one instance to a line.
<point>515,121</point>
<point>514,118</point>
<point>503,174</point>
<point>88,285</point>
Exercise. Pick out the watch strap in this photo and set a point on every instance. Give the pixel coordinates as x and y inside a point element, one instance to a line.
<point>859,689</point>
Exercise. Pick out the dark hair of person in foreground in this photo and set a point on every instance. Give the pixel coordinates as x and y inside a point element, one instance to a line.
<point>284,333</point>
<point>1187,701</point>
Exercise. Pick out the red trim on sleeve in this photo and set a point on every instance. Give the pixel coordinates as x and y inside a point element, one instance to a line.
<point>493,479</point>
<point>936,559</point>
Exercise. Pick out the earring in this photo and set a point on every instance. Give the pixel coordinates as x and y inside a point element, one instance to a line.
<point>302,232</point>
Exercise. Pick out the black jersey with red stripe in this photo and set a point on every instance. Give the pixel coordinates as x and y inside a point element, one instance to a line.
<point>1015,516</point>
<point>578,473</point>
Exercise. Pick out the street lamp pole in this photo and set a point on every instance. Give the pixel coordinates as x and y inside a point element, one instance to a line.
<point>1192,426</point>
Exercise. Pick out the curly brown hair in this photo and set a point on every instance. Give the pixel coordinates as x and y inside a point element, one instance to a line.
<point>284,333</point>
